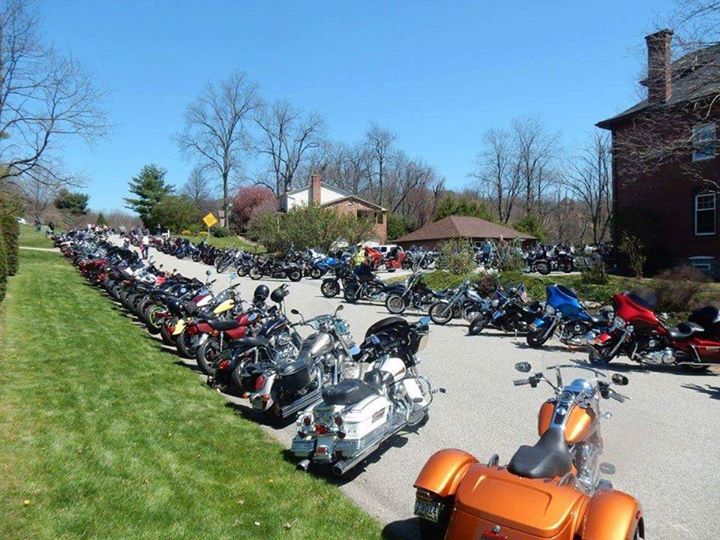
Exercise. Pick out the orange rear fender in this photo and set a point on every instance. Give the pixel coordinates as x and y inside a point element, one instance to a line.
<point>443,472</point>
<point>611,515</point>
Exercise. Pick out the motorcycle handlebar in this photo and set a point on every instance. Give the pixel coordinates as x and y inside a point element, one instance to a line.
<point>521,382</point>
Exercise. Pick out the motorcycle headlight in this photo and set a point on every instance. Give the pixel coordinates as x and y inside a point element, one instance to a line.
<point>495,303</point>
<point>618,322</point>
<point>549,310</point>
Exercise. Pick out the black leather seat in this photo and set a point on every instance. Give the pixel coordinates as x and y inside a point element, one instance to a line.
<point>549,457</point>
<point>219,324</point>
<point>685,330</point>
<point>258,341</point>
<point>347,392</point>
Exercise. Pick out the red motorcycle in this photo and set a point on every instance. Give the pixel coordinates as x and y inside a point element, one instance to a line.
<point>638,333</point>
<point>213,336</point>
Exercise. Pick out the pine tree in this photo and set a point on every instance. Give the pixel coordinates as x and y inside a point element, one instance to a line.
<point>3,267</point>
<point>150,187</point>
<point>101,219</point>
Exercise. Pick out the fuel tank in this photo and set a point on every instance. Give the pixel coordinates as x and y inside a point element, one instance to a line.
<point>579,426</point>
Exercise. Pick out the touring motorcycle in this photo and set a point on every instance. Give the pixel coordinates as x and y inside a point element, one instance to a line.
<point>565,314</point>
<point>507,310</point>
<point>282,388</point>
<point>357,415</point>
<point>549,490</point>
<point>462,302</point>
<point>638,333</point>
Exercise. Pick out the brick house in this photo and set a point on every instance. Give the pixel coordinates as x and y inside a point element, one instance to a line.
<point>322,194</point>
<point>665,162</point>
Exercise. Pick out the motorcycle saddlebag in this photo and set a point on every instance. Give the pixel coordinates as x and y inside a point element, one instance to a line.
<point>250,373</point>
<point>708,317</point>
<point>295,376</point>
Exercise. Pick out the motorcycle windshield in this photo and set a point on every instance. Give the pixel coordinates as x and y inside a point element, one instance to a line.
<point>563,300</point>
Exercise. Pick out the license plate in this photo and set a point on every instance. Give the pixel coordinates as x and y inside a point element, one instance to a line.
<point>428,510</point>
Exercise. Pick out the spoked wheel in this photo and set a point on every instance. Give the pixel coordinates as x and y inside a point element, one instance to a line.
<point>207,355</point>
<point>477,325</point>
<point>537,338</point>
<point>441,312</point>
<point>316,273</point>
<point>330,288</point>
<point>542,268</point>
<point>243,270</point>
<point>395,304</point>
<point>255,273</point>
<point>351,294</point>
<point>151,320</point>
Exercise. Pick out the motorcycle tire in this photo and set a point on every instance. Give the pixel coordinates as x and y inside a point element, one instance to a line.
<point>351,295</point>
<point>568,267</point>
<point>330,289</point>
<point>255,273</point>
<point>537,338</point>
<point>166,335</point>
<point>441,313</point>
<point>295,275</point>
<point>243,270</point>
<point>542,268</point>
<point>206,356</point>
<point>152,324</point>
<point>598,356</point>
<point>196,257</point>
<point>477,325</point>
<point>316,273</point>
<point>395,304</point>
<point>184,346</point>
<point>222,266</point>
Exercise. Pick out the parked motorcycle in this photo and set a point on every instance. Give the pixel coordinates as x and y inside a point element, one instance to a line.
<point>364,287</point>
<point>415,294</point>
<point>357,415</point>
<point>638,333</point>
<point>549,490</point>
<point>275,268</point>
<point>462,302</point>
<point>565,314</point>
<point>506,309</point>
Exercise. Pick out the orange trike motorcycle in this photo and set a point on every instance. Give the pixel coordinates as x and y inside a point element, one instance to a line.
<point>549,490</point>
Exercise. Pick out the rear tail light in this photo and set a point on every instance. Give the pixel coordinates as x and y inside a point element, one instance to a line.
<point>260,382</point>
<point>224,365</point>
<point>321,429</point>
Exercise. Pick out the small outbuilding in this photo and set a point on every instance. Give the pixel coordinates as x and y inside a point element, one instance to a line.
<point>471,228</point>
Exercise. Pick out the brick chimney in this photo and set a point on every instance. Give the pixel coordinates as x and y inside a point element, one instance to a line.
<point>659,79</point>
<point>315,180</point>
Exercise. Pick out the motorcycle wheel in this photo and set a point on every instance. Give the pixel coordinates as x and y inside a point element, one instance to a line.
<point>316,273</point>
<point>273,416</point>
<point>568,267</point>
<point>536,338</point>
<point>542,268</point>
<point>166,335</point>
<point>196,257</point>
<point>150,319</point>
<point>207,354</point>
<point>477,325</point>
<point>351,295</point>
<point>243,270</point>
<point>441,312</point>
<point>295,275</point>
<point>184,345</point>
<point>255,273</point>
<point>395,304</point>
<point>330,289</point>
<point>598,356</point>
<point>222,266</point>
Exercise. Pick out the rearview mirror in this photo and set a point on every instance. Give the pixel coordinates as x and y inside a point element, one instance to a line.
<point>620,380</point>
<point>208,273</point>
<point>294,311</point>
<point>523,367</point>
<point>339,308</point>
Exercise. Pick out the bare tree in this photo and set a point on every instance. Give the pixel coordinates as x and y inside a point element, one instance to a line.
<point>216,132</point>
<point>380,145</point>
<point>198,189</point>
<point>589,178</point>
<point>38,194</point>
<point>288,137</point>
<point>497,173</point>
<point>44,100</point>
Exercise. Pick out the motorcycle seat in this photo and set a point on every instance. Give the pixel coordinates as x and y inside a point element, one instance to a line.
<point>685,330</point>
<point>549,458</point>
<point>253,341</point>
<point>220,324</point>
<point>347,392</point>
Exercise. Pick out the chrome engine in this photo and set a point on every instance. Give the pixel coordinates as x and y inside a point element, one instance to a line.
<point>659,357</point>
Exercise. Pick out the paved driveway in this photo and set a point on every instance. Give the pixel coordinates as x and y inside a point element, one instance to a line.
<point>664,444</point>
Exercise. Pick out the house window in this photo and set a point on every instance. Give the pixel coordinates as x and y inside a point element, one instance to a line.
<point>704,214</point>
<point>703,140</point>
<point>702,263</point>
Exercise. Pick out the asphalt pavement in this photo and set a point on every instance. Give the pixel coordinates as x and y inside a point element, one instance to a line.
<point>663,443</point>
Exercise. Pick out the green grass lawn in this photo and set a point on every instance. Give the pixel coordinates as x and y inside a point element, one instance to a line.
<point>231,241</point>
<point>105,436</point>
<point>32,238</point>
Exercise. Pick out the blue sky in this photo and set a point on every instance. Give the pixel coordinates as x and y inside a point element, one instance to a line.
<point>439,74</point>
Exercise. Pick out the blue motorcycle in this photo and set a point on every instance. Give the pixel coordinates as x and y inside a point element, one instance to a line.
<point>565,314</point>
<point>325,265</point>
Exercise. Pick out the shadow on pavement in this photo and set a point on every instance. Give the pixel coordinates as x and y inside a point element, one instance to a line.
<point>713,392</point>
<point>405,529</point>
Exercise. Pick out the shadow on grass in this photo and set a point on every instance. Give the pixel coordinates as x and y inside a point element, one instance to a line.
<point>404,529</point>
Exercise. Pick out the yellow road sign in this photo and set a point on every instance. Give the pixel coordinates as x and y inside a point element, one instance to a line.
<point>210,220</point>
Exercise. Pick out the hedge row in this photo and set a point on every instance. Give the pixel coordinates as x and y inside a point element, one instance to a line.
<point>9,256</point>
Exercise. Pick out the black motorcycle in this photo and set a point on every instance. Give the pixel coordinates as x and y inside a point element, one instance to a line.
<point>275,268</point>
<point>415,294</point>
<point>364,287</point>
<point>507,310</point>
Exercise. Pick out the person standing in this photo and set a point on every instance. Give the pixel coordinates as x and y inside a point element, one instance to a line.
<point>144,246</point>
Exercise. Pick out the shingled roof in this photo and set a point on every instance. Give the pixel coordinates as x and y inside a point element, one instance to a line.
<point>694,76</point>
<point>462,227</point>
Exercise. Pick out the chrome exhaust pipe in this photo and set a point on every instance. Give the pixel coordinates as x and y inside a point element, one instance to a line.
<point>303,465</point>
<point>341,467</point>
